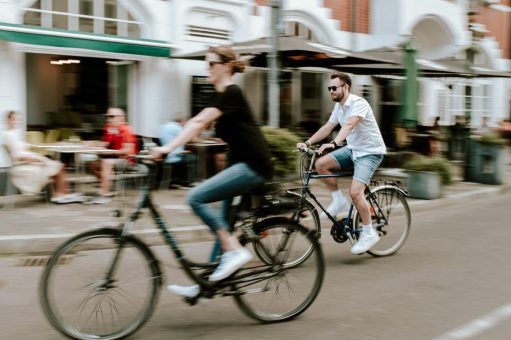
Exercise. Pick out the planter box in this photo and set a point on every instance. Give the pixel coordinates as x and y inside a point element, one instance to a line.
<point>424,185</point>
<point>485,163</point>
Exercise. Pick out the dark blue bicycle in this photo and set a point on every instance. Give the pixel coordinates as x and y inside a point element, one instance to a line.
<point>389,210</point>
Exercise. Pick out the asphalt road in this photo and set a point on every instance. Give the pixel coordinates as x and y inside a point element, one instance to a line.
<point>451,280</point>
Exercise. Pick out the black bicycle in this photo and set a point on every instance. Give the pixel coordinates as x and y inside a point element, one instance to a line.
<point>104,283</point>
<point>389,210</point>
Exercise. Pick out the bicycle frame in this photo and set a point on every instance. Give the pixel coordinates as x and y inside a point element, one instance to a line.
<point>145,201</point>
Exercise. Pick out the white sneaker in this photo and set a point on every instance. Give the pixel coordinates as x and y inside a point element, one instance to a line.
<point>335,208</point>
<point>366,240</point>
<point>184,291</point>
<point>69,198</point>
<point>230,262</point>
<point>99,200</point>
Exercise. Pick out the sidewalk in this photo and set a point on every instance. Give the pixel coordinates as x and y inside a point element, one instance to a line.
<point>33,226</point>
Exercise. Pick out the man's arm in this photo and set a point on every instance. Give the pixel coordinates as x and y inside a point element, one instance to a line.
<point>322,133</point>
<point>319,135</point>
<point>343,133</point>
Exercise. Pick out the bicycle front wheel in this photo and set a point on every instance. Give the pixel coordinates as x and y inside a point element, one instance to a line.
<point>391,217</point>
<point>81,302</point>
<point>292,289</point>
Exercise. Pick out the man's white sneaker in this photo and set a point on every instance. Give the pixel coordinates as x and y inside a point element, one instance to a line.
<point>230,262</point>
<point>184,291</point>
<point>366,240</point>
<point>335,208</point>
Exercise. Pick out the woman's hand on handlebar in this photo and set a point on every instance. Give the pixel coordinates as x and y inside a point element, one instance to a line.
<point>158,153</point>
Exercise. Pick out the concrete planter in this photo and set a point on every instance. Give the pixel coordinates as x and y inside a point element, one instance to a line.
<point>485,163</point>
<point>424,185</point>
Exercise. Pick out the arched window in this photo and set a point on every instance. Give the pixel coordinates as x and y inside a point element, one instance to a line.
<point>92,16</point>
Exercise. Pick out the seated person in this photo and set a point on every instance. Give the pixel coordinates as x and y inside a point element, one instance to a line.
<point>117,135</point>
<point>30,171</point>
<point>183,162</point>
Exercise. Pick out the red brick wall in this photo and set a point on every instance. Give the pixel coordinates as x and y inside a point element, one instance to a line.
<point>498,24</point>
<point>341,10</point>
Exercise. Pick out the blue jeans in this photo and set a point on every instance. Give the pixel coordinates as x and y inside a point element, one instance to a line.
<point>236,180</point>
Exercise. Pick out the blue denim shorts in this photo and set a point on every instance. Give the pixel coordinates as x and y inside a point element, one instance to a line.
<point>364,166</point>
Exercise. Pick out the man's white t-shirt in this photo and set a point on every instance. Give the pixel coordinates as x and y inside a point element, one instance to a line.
<point>365,138</point>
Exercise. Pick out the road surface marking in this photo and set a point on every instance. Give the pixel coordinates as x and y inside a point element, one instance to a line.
<point>479,325</point>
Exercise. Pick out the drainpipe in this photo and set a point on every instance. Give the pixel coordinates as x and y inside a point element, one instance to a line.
<point>353,25</point>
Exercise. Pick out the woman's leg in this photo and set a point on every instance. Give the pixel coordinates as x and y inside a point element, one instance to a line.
<point>231,182</point>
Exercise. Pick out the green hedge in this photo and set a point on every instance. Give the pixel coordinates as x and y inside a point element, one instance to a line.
<point>282,142</point>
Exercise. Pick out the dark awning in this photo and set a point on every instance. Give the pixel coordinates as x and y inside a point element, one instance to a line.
<point>293,52</point>
<point>100,42</point>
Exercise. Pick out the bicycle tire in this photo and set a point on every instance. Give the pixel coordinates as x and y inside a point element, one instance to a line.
<point>308,217</point>
<point>392,236</point>
<point>292,290</point>
<point>73,286</point>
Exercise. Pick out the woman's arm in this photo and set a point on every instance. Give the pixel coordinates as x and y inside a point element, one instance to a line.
<point>192,128</point>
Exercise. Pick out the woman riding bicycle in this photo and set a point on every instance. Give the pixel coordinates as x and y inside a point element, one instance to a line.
<point>249,157</point>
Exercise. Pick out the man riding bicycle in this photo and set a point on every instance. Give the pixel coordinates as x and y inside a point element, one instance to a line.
<point>249,156</point>
<point>364,152</point>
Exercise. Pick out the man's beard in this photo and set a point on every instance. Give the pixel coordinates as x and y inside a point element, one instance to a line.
<point>337,99</point>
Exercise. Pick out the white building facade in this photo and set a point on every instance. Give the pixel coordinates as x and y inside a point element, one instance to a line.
<point>153,89</point>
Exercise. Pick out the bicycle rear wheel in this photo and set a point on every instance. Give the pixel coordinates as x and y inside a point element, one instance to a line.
<point>81,303</point>
<point>390,207</point>
<point>292,289</point>
<point>306,216</point>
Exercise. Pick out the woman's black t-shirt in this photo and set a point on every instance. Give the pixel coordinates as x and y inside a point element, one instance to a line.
<point>237,127</point>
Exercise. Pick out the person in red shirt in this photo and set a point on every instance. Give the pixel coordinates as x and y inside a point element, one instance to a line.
<point>119,136</point>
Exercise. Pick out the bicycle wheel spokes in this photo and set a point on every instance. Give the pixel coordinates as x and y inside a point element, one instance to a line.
<point>392,220</point>
<point>81,302</point>
<point>293,288</point>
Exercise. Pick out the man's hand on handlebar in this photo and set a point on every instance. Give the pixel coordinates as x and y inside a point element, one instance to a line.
<point>301,146</point>
<point>326,147</point>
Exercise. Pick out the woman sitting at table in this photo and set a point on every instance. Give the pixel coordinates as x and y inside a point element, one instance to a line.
<point>30,171</point>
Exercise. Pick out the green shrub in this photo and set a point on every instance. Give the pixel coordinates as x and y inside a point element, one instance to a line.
<point>431,164</point>
<point>492,139</point>
<point>282,142</point>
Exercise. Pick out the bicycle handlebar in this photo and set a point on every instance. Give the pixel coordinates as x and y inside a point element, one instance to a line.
<point>308,150</point>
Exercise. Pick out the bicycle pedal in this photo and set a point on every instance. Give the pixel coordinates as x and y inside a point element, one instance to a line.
<point>198,300</point>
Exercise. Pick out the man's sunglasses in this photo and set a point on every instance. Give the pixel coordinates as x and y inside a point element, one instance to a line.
<point>334,88</point>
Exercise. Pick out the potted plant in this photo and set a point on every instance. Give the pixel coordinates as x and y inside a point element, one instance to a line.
<point>427,175</point>
<point>485,161</point>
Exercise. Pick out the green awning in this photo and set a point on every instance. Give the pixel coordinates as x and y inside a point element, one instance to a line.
<point>99,42</point>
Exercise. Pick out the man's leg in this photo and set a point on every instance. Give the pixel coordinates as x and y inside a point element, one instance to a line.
<point>327,165</point>
<point>364,169</point>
